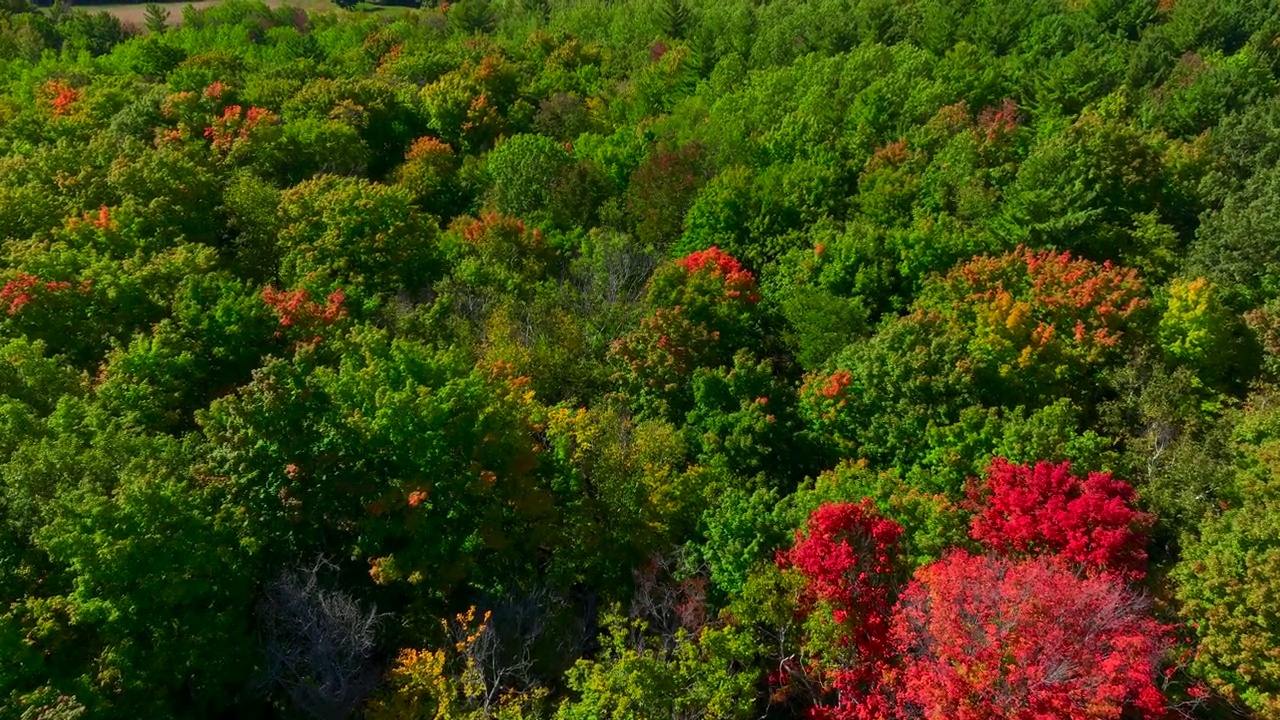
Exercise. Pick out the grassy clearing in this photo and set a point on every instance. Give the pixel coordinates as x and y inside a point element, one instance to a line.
<point>135,13</point>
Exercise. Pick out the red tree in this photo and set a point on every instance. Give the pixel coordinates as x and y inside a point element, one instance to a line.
<point>301,316</point>
<point>62,98</point>
<point>1091,521</point>
<point>24,288</point>
<point>703,310</point>
<point>236,125</point>
<point>994,124</point>
<point>848,559</point>
<point>720,269</point>
<point>982,638</point>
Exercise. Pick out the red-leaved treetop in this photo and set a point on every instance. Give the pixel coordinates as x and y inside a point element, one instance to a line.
<point>61,97</point>
<point>1091,521</point>
<point>845,552</point>
<point>985,638</point>
<point>235,124</point>
<point>738,282</point>
<point>703,309</point>
<point>711,288</point>
<point>23,288</point>
<point>848,557</point>
<point>301,315</point>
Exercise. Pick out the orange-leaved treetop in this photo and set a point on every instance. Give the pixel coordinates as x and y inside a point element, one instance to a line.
<point>1038,321</point>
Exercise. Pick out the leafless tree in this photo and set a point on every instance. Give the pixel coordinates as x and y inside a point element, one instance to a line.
<point>501,656</point>
<point>615,272</point>
<point>669,598</point>
<point>319,642</point>
<point>471,304</point>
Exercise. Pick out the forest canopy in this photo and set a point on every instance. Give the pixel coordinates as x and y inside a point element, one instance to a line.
<point>640,359</point>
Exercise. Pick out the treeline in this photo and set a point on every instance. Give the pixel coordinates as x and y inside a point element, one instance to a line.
<point>840,359</point>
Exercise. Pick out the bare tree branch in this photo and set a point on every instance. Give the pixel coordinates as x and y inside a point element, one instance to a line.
<point>319,642</point>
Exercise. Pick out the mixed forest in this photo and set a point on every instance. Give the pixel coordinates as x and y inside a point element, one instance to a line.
<point>642,360</point>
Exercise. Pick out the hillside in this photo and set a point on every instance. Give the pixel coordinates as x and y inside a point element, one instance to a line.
<point>641,359</point>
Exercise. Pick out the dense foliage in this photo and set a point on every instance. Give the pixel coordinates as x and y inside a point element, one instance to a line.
<point>630,359</point>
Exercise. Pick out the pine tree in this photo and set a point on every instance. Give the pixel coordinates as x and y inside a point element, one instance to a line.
<point>676,18</point>
<point>157,18</point>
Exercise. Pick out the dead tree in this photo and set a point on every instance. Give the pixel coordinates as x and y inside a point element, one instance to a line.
<point>501,655</point>
<point>669,597</point>
<point>319,642</point>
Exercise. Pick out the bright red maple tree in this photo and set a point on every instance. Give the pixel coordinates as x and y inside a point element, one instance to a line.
<point>848,558</point>
<point>985,638</point>
<point>1043,508</point>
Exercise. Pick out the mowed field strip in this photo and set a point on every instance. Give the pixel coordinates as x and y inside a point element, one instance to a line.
<point>135,13</point>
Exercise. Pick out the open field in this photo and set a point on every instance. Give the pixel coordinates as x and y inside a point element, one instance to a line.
<point>135,13</point>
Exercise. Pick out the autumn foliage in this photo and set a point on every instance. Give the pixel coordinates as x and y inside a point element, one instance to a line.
<point>1051,295</point>
<point>702,311</point>
<point>994,124</point>
<point>428,172</point>
<point>846,553</point>
<point>503,236</point>
<point>982,638</point>
<point>299,314</point>
<point>825,395</point>
<point>236,124</point>
<point>1044,509</point>
<point>721,267</point>
<point>501,251</point>
<point>848,556</point>
<point>668,346</point>
<point>661,190</point>
<point>1014,635</point>
<point>1039,317</point>
<point>25,288</point>
<point>62,98</point>
<point>730,359</point>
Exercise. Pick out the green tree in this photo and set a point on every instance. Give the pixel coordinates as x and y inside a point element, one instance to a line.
<point>1227,576</point>
<point>1230,247</point>
<point>525,169</point>
<point>371,453</point>
<point>1081,188</point>
<point>744,421</point>
<point>676,18</point>
<point>157,18</point>
<point>14,7</point>
<point>351,234</point>
<point>147,589</point>
<point>709,673</point>
<point>472,17</point>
